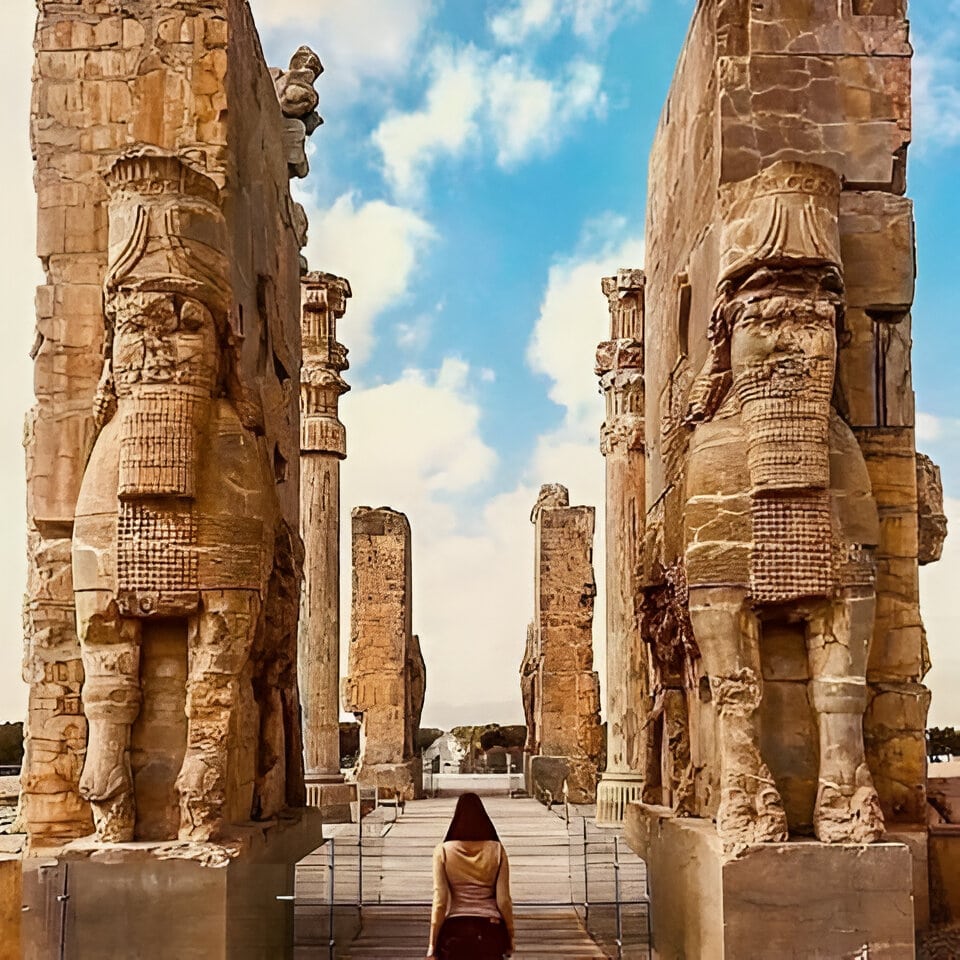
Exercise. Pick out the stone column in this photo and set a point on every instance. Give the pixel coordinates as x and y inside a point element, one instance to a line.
<point>387,679</point>
<point>322,447</point>
<point>567,708</point>
<point>620,369</point>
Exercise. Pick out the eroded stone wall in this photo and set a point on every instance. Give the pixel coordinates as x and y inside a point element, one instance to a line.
<point>387,676</point>
<point>565,708</point>
<point>162,106</point>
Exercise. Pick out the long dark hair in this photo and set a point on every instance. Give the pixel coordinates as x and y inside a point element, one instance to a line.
<point>471,821</point>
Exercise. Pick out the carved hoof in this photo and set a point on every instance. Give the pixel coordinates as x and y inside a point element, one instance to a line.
<point>852,816</point>
<point>115,819</point>
<point>771,817</point>
<point>201,811</point>
<point>106,771</point>
<point>745,819</point>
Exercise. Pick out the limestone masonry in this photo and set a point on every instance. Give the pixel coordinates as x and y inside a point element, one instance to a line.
<point>387,676</point>
<point>561,688</point>
<point>777,593</point>
<point>163,449</point>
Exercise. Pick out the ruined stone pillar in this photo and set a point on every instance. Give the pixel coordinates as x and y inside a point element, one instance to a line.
<point>387,677</point>
<point>620,369</point>
<point>322,447</point>
<point>566,711</point>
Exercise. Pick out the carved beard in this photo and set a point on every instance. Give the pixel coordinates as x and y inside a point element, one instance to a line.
<point>785,408</point>
<point>159,443</point>
<point>785,403</point>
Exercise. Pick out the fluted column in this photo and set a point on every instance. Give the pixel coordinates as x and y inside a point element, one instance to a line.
<point>620,369</point>
<point>322,447</point>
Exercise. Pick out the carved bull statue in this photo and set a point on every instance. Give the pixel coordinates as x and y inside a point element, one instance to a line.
<point>780,522</point>
<point>177,516</point>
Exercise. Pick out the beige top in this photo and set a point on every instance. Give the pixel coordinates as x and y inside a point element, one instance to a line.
<point>471,878</point>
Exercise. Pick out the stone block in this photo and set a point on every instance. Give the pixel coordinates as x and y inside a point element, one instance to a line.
<point>945,874</point>
<point>803,900</point>
<point>230,902</point>
<point>11,904</point>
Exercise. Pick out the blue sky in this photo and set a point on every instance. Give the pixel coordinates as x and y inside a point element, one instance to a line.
<point>482,166</point>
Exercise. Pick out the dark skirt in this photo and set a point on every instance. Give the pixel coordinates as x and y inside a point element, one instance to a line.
<point>472,938</point>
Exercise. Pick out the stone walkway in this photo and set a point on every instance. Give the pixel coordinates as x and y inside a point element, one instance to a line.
<point>397,885</point>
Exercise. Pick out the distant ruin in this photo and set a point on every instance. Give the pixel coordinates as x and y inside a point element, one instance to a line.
<point>387,676</point>
<point>561,689</point>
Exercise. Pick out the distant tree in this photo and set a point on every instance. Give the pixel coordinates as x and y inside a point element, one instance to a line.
<point>11,744</point>
<point>943,741</point>
<point>492,737</point>
<point>349,743</point>
<point>426,736</point>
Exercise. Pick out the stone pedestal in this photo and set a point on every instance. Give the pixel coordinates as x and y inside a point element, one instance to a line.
<point>11,902</point>
<point>614,792</point>
<point>405,779</point>
<point>801,899</point>
<point>170,901</point>
<point>335,800</point>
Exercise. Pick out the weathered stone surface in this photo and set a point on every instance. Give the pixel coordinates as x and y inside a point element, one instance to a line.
<point>564,705</point>
<point>11,907</point>
<point>785,508</point>
<point>387,676</point>
<point>322,447</point>
<point>229,900</point>
<point>932,519</point>
<point>162,452</point>
<point>794,900</point>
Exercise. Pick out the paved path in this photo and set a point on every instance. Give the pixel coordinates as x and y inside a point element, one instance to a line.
<point>397,884</point>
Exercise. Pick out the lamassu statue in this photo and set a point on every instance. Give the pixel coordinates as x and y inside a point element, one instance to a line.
<point>780,523</point>
<point>177,519</point>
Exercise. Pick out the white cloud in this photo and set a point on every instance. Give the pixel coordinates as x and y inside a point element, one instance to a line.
<point>573,319</point>
<point>474,97</point>
<point>22,270</point>
<point>521,21</point>
<point>936,82</point>
<point>531,115</point>
<point>415,445</point>
<point>941,617</point>
<point>411,142</point>
<point>376,246</point>
<point>358,42</point>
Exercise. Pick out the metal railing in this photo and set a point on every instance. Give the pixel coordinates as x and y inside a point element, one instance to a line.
<point>580,867</point>
<point>609,888</point>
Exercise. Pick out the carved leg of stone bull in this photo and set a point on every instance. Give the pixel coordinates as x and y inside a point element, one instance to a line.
<point>220,640</point>
<point>728,634</point>
<point>838,640</point>
<point>110,648</point>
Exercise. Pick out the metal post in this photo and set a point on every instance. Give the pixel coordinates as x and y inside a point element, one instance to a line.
<point>586,876</point>
<point>616,889</point>
<point>333,897</point>
<point>360,863</point>
<point>63,899</point>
